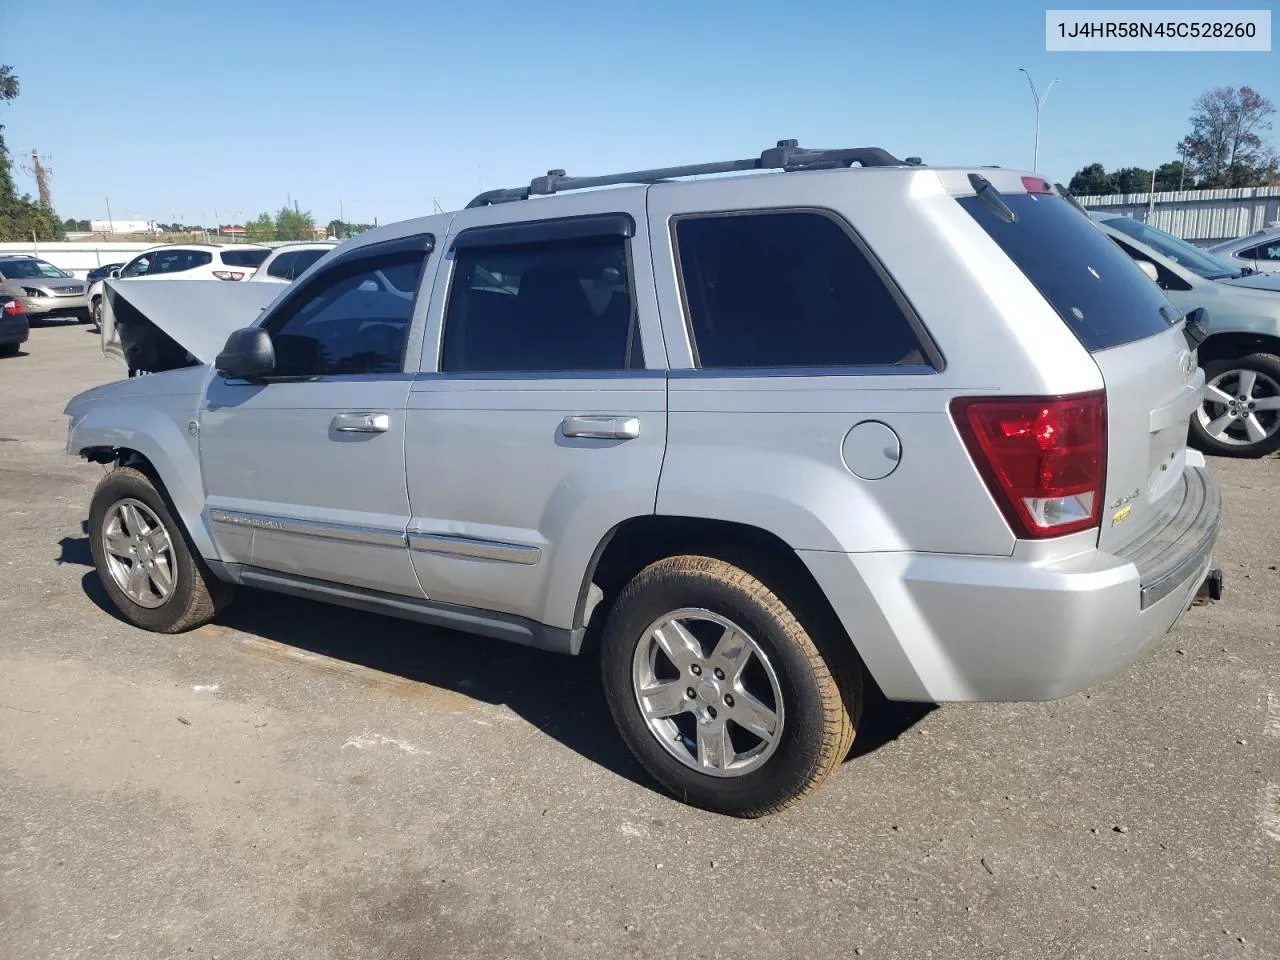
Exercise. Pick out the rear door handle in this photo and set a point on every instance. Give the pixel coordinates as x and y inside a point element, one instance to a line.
<point>601,428</point>
<point>362,422</point>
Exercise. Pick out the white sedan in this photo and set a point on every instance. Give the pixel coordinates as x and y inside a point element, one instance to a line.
<point>1260,250</point>
<point>184,262</point>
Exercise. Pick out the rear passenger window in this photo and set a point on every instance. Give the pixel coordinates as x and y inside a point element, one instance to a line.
<point>556,306</point>
<point>243,258</point>
<point>282,266</point>
<point>787,290</point>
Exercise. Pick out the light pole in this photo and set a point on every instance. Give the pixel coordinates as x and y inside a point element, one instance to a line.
<point>1040,102</point>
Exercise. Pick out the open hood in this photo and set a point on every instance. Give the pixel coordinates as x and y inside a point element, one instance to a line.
<point>156,325</point>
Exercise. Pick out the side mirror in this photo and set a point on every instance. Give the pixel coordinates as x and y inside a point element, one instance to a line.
<point>1149,268</point>
<point>247,355</point>
<point>115,274</point>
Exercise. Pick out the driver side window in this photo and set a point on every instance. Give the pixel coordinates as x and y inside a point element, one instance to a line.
<point>138,267</point>
<point>352,319</point>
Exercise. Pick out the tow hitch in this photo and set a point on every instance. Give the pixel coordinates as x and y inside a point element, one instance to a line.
<point>1211,589</point>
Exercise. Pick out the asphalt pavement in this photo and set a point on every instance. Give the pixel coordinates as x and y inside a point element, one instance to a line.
<point>304,781</point>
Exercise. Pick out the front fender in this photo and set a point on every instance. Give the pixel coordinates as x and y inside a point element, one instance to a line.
<point>158,428</point>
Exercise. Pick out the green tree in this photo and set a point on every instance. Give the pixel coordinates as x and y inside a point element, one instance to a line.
<point>294,224</point>
<point>1227,145</point>
<point>260,229</point>
<point>21,218</point>
<point>1132,180</point>
<point>1172,176</point>
<point>1092,181</point>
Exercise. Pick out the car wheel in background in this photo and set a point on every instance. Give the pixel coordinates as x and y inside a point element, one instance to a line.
<point>1240,414</point>
<point>719,690</point>
<point>144,559</point>
<point>95,312</point>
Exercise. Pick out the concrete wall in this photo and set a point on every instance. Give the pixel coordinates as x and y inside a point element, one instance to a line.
<point>78,258</point>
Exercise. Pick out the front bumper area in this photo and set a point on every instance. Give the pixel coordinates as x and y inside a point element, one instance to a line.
<point>43,308</point>
<point>938,627</point>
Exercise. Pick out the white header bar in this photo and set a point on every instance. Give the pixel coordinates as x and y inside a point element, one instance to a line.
<point>1158,30</point>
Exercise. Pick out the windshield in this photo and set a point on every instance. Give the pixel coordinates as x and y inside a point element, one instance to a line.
<point>27,269</point>
<point>1176,249</point>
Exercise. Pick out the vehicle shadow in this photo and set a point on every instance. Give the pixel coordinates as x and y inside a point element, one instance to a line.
<point>560,695</point>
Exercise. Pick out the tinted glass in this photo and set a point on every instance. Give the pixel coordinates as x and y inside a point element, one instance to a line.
<point>303,260</point>
<point>787,290</point>
<point>177,261</point>
<point>138,267</point>
<point>352,319</point>
<point>243,258</point>
<point>29,269</point>
<point>282,266</point>
<point>565,306</point>
<point>1176,249</point>
<point>1093,286</point>
<point>1267,251</point>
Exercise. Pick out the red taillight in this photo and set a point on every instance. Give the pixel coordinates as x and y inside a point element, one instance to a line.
<point>1044,459</point>
<point>1036,185</point>
<point>13,308</point>
<point>228,275</point>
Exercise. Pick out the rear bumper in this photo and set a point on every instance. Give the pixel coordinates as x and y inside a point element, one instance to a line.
<point>943,627</point>
<point>13,329</point>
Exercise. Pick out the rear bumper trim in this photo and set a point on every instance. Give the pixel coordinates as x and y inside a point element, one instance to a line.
<point>1179,547</point>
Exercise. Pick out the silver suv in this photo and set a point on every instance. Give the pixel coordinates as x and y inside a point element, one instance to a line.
<point>43,290</point>
<point>741,437</point>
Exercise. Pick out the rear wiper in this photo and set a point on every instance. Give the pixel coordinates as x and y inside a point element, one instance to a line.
<point>992,198</point>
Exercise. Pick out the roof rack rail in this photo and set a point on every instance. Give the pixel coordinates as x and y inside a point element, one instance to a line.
<point>787,155</point>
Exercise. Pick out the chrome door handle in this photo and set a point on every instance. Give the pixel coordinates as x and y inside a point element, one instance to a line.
<point>362,422</point>
<point>601,428</point>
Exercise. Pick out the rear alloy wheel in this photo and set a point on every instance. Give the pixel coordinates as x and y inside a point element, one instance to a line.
<point>1240,414</point>
<point>719,690</point>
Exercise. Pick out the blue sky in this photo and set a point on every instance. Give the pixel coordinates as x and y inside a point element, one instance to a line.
<point>175,110</point>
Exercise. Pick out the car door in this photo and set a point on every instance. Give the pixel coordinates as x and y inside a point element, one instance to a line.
<point>540,422</point>
<point>304,471</point>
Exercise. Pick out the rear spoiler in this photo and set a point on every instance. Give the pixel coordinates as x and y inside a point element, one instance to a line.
<point>157,325</point>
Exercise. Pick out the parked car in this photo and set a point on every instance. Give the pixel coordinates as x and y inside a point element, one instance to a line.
<point>1199,261</point>
<point>14,328</point>
<point>102,272</point>
<point>187,262</point>
<point>1240,412</point>
<point>44,291</point>
<point>751,433</point>
<point>289,261</point>
<point>1259,250</point>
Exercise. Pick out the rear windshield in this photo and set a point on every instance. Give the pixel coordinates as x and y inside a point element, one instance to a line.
<point>1097,290</point>
<point>244,258</point>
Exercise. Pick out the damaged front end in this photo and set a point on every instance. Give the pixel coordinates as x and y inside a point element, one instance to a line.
<point>157,325</point>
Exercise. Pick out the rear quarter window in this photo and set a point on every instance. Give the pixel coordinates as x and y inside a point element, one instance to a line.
<point>1098,292</point>
<point>244,258</point>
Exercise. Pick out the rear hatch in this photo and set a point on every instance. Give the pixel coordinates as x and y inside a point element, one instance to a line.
<point>1133,334</point>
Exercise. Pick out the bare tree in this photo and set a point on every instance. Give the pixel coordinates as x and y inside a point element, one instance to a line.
<point>1226,146</point>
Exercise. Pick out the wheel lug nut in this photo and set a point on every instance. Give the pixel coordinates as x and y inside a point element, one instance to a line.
<point>691,694</point>
<point>711,712</point>
<point>728,699</point>
<point>719,673</point>
<point>696,670</point>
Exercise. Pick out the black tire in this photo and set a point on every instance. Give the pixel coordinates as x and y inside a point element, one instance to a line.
<point>9,349</point>
<point>95,312</point>
<point>821,698</point>
<point>197,595</point>
<point>1266,368</point>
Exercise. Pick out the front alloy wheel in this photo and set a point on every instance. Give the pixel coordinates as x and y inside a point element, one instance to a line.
<point>139,553</point>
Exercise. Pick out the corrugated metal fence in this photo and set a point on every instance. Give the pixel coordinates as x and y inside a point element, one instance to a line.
<point>1203,216</point>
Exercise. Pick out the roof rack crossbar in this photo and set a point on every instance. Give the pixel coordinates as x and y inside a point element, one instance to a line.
<point>787,155</point>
